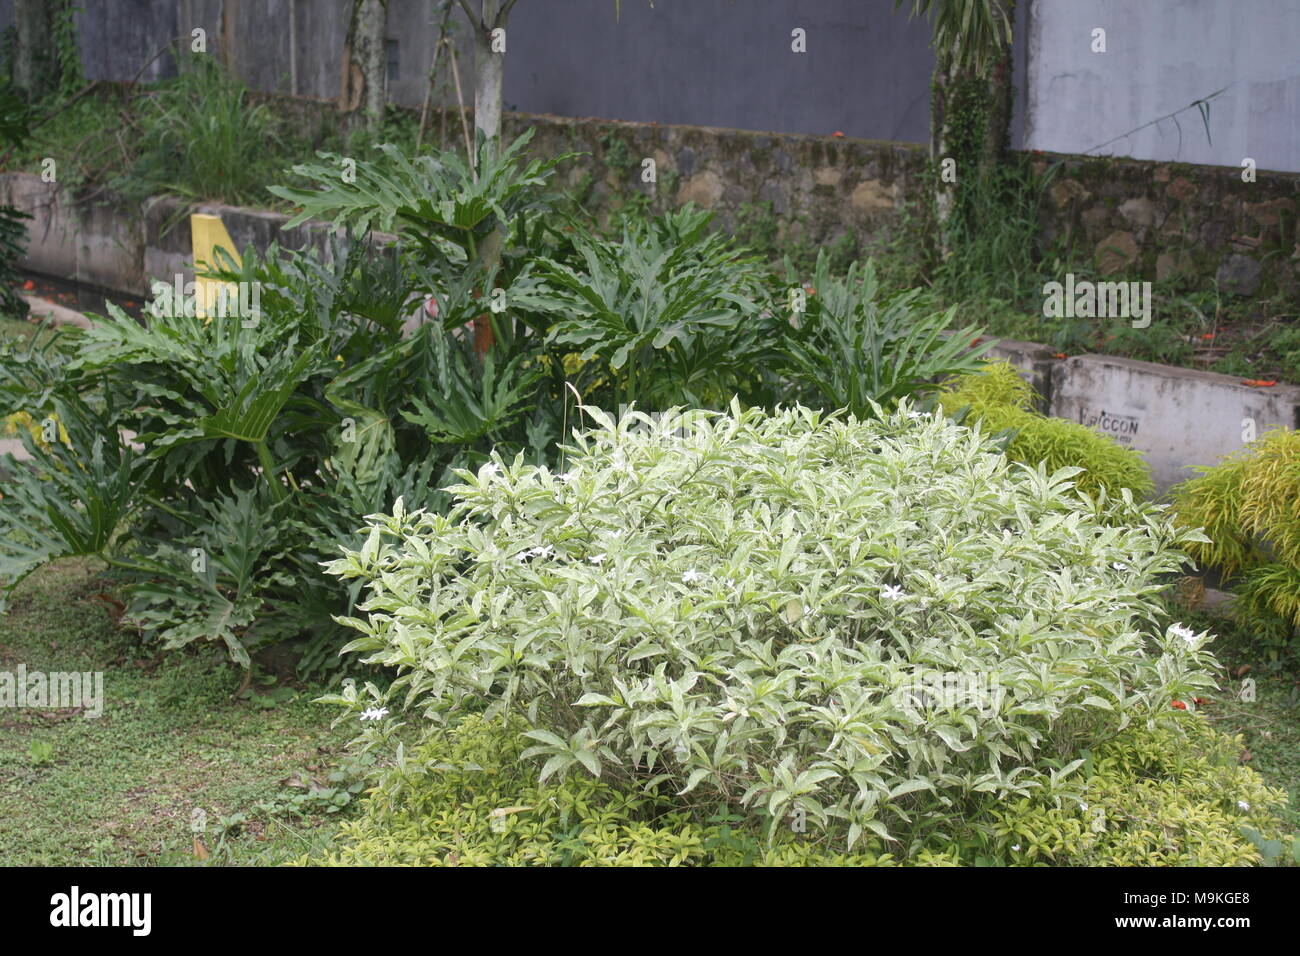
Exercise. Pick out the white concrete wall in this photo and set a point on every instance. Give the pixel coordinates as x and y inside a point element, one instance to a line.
<point>1161,55</point>
<point>1177,418</point>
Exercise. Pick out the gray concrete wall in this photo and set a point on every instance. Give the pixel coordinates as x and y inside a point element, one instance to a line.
<point>719,63</point>
<point>722,63</point>
<point>1160,56</point>
<point>728,63</point>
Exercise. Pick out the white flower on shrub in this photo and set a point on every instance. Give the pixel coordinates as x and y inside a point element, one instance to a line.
<point>1119,565</point>
<point>1243,805</point>
<point>891,593</point>
<point>597,558</point>
<point>541,551</point>
<point>1186,633</point>
<point>374,713</point>
<point>691,576</point>
<point>489,471</point>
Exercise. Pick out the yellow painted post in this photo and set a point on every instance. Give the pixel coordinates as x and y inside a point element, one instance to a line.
<point>207,233</point>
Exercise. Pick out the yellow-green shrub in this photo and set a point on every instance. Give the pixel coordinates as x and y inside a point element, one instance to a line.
<point>1173,796</point>
<point>465,798</point>
<point>1249,506</point>
<point>1000,400</point>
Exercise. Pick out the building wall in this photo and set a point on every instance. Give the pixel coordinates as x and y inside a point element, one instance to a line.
<point>1161,55</point>
<point>728,63</point>
<point>866,71</point>
<point>696,62</point>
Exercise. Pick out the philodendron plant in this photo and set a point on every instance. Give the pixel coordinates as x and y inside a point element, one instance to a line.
<point>851,625</point>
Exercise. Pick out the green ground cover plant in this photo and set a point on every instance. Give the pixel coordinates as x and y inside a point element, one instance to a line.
<point>464,798</point>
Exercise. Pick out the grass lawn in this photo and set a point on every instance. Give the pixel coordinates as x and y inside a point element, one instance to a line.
<point>18,331</point>
<point>1271,730</point>
<point>121,788</point>
<point>1270,725</point>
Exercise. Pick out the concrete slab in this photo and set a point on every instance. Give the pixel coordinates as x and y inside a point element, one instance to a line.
<point>1177,418</point>
<point>51,233</point>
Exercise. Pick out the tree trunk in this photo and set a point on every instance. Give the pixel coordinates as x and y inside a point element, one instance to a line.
<point>970,117</point>
<point>362,96</point>
<point>997,136</point>
<point>489,73</point>
<point>945,82</point>
<point>35,68</point>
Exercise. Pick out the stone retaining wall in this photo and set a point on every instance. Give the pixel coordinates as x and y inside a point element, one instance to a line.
<point>1135,220</point>
<point>1141,220</point>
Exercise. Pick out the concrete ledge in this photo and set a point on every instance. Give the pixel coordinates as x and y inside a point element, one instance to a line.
<point>107,244</point>
<point>1178,418</point>
<point>43,309</point>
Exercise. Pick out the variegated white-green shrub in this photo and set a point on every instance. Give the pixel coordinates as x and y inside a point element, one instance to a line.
<point>849,625</point>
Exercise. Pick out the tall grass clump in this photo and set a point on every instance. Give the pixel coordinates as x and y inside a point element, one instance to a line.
<point>202,137</point>
<point>1249,505</point>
